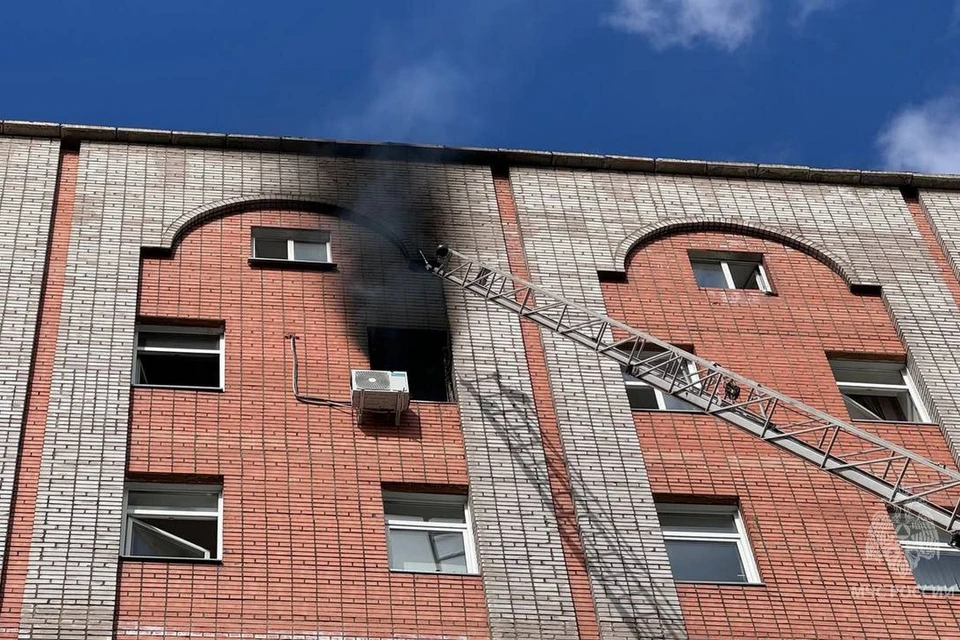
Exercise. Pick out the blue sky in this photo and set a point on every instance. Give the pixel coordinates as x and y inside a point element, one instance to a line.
<point>856,83</point>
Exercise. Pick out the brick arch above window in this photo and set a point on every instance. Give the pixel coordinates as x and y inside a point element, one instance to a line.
<point>174,232</point>
<point>648,233</point>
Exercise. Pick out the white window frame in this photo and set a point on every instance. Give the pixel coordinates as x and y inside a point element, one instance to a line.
<point>661,402</point>
<point>465,528</point>
<point>291,242</point>
<point>177,329</point>
<point>937,547</point>
<point>172,513</point>
<point>693,373</point>
<point>747,559</point>
<point>763,282</point>
<point>908,387</point>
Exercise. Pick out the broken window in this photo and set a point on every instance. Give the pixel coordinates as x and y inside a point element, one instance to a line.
<point>423,353</point>
<point>175,521</point>
<point>178,356</point>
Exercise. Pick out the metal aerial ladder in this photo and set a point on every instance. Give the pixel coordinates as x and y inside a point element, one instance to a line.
<point>899,477</point>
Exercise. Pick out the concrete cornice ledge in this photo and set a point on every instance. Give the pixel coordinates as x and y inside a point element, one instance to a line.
<point>477,155</point>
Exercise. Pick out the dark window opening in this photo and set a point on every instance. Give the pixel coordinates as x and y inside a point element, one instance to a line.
<point>179,356</point>
<point>423,353</point>
<point>178,370</point>
<point>169,538</point>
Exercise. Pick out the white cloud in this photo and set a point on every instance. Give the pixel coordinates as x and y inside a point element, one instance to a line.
<point>806,8</point>
<point>924,137</point>
<point>426,100</point>
<point>723,23</point>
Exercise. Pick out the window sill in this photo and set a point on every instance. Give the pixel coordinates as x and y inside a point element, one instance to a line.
<point>722,584</point>
<point>681,411</point>
<point>771,294</point>
<point>136,385</point>
<point>212,561</point>
<point>940,591</point>
<point>435,573</point>
<point>298,265</point>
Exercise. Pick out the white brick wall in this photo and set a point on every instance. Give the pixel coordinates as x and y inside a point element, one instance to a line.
<point>28,174</point>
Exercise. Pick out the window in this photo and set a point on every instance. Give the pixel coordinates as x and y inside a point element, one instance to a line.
<point>291,245</point>
<point>172,521</point>
<point>878,391</point>
<point>423,353</point>
<point>935,564</point>
<point>429,533</point>
<point>726,270</point>
<point>176,356</point>
<point>643,397</point>
<point>707,543</point>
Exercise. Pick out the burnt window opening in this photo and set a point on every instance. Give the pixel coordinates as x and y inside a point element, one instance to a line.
<point>423,353</point>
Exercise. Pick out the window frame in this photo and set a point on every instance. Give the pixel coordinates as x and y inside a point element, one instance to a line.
<point>747,558</point>
<point>938,547</point>
<point>892,390</point>
<point>178,329</point>
<point>465,528</point>
<point>724,260</point>
<point>291,237</point>
<point>291,251</point>
<point>636,383</point>
<point>171,513</point>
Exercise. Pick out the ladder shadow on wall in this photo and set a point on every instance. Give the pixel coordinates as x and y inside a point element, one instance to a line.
<point>513,416</point>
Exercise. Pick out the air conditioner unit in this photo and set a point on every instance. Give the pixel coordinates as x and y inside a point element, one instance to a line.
<point>380,392</point>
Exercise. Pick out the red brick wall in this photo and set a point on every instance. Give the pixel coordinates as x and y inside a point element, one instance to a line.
<point>809,531</point>
<point>37,402</point>
<point>304,543</point>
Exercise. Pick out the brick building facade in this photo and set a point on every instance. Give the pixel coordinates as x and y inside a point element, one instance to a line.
<point>266,516</point>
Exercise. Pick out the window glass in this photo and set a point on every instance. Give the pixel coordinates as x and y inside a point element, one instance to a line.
<point>670,403</point>
<point>698,522</point>
<point>939,570</point>
<point>179,340</point>
<point>423,511</point>
<point>746,275</point>
<point>310,251</point>
<point>867,373</point>
<point>148,542</point>
<point>642,396</point>
<point>707,543</point>
<point>705,561</point>
<point>709,274</point>
<point>167,521</point>
<point>179,501</point>
<point>877,391</point>
<point>428,533</point>
<point>270,249</point>
<point>427,551</point>
<point>876,407</point>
